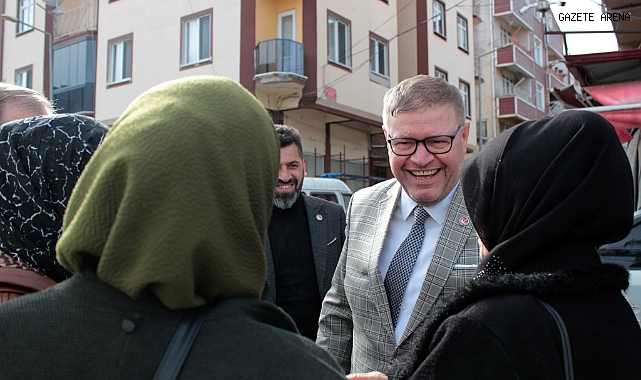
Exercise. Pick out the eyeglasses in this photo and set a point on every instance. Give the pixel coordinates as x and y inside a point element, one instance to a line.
<point>405,146</point>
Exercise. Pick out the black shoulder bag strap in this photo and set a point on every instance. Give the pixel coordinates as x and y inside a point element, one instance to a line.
<point>181,343</point>
<point>565,341</point>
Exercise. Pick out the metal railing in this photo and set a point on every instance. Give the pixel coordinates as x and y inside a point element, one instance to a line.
<point>279,55</point>
<point>76,20</point>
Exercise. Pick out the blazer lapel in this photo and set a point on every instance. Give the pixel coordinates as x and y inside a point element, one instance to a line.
<point>446,253</point>
<point>386,207</point>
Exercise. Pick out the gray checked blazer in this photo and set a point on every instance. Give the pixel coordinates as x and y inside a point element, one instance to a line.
<point>327,233</point>
<point>356,324</point>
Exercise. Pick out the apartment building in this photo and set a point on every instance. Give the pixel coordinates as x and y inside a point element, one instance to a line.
<point>436,38</point>
<point>517,63</point>
<point>322,66</point>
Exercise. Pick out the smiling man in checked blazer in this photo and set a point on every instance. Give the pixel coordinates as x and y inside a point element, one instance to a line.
<point>425,125</point>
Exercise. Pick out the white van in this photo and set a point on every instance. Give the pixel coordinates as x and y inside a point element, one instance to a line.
<point>331,189</point>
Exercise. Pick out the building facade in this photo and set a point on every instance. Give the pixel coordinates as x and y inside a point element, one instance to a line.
<point>322,66</point>
<point>517,63</point>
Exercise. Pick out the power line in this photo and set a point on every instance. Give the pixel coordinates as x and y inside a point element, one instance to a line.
<point>359,66</point>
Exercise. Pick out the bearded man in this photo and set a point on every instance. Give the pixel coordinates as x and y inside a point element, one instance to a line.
<point>304,240</point>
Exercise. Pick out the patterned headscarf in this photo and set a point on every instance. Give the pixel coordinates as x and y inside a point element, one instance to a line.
<point>544,194</point>
<point>177,200</point>
<point>40,161</point>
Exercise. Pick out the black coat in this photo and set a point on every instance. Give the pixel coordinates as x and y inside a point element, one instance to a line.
<point>83,328</point>
<point>500,318</point>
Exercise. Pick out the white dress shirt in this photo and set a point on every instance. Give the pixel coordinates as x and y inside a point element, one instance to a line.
<point>399,228</point>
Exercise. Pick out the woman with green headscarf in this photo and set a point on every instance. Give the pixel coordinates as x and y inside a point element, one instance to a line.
<point>170,214</point>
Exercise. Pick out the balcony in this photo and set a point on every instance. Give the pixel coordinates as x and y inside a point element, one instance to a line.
<point>279,73</point>
<point>516,60</point>
<point>554,42</point>
<point>556,79</point>
<point>516,109</point>
<point>77,20</point>
<point>508,10</point>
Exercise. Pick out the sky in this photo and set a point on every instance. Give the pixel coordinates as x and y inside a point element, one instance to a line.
<point>585,43</point>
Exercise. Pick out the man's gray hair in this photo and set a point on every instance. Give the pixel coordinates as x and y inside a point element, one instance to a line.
<point>420,92</point>
<point>11,94</point>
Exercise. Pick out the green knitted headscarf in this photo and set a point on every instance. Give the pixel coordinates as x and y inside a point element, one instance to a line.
<point>178,198</point>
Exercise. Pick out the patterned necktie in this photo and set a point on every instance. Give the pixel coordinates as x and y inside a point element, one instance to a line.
<point>401,266</point>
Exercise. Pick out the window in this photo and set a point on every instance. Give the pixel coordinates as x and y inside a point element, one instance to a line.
<point>74,75</point>
<point>506,36</point>
<point>440,73</point>
<point>120,59</point>
<point>540,96</point>
<point>24,76</point>
<point>439,18</point>
<point>26,13</point>
<point>538,51</point>
<point>196,38</point>
<point>508,85</point>
<point>338,33</point>
<point>464,88</point>
<point>461,25</point>
<point>287,25</point>
<point>378,56</point>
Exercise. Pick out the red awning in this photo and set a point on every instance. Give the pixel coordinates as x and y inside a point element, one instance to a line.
<point>623,120</point>
<point>616,93</point>
<point>619,94</point>
<point>568,95</point>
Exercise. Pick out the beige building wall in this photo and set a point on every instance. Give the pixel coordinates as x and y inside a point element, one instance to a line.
<point>25,49</point>
<point>354,88</point>
<point>156,52</point>
<point>406,19</point>
<point>445,54</point>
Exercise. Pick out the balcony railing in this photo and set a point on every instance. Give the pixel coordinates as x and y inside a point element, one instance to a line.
<point>509,11</point>
<point>76,20</point>
<point>279,55</point>
<point>515,60</point>
<point>517,108</point>
<point>555,47</point>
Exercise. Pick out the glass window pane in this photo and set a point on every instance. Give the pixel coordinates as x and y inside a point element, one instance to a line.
<point>114,67</point>
<point>204,38</point>
<point>382,59</point>
<point>342,46</point>
<point>331,26</point>
<point>191,41</point>
<point>126,62</point>
<point>287,27</point>
<point>72,67</point>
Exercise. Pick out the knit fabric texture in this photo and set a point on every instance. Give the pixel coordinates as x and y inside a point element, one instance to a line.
<point>177,200</point>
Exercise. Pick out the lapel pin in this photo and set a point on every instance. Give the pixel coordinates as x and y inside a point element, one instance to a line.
<point>464,221</point>
<point>319,217</point>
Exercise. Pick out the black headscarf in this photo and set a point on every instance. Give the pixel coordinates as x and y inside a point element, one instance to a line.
<point>40,161</point>
<point>544,194</point>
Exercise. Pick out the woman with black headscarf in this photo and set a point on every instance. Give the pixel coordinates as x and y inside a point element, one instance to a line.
<point>542,196</point>
<point>41,160</point>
